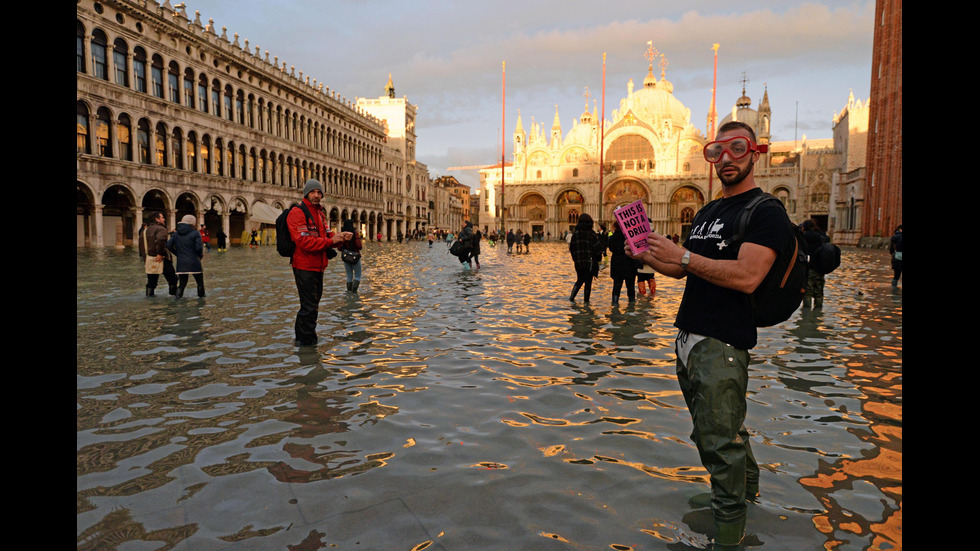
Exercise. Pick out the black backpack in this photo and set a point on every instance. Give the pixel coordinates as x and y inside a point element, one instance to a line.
<point>825,259</point>
<point>781,292</point>
<point>460,248</point>
<point>285,245</point>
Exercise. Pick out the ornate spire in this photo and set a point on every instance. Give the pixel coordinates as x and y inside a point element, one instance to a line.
<point>390,87</point>
<point>650,81</point>
<point>744,101</point>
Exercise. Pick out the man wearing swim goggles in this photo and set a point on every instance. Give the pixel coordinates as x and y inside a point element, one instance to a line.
<point>716,324</point>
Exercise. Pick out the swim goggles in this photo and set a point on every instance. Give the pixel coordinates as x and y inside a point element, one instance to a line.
<point>736,147</point>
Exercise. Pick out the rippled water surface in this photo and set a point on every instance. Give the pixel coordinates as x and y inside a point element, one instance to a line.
<point>458,410</point>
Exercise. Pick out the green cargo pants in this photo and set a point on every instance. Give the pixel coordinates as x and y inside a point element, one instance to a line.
<point>714,378</point>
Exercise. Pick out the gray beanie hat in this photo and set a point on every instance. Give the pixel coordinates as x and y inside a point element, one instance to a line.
<point>312,184</point>
<point>189,220</point>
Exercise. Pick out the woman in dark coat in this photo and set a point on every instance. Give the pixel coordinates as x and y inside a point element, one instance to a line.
<point>355,244</point>
<point>622,268</point>
<point>187,246</point>
<point>585,251</point>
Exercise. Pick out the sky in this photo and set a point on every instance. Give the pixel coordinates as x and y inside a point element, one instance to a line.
<point>446,57</point>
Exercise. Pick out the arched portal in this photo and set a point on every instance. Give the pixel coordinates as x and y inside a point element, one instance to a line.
<point>119,225</point>
<point>684,203</point>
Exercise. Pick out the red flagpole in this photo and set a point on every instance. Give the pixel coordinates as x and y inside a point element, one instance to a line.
<point>602,136</point>
<point>503,148</point>
<point>714,119</point>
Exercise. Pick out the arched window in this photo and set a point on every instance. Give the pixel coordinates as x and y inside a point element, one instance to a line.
<point>243,163</point>
<point>687,215</point>
<point>173,82</point>
<point>206,154</point>
<point>102,134</point>
<point>119,61</point>
<point>229,113</point>
<point>202,93</point>
<point>219,159</point>
<point>81,128</point>
<point>189,88</point>
<point>216,98</point>
<point>191,151</point>
<point>630,148</point>
<point>176,149</point>
<point>574,173</point>
<point>124,133</point>
<point>252,162</point>
<point>160,145</point>
<point>240,107</point>
<point>143,141</point>
<point>232,161</point>
<point>156,76</point>
<point>79,47</point>
<point>99,61</point>
<point>139,68</point>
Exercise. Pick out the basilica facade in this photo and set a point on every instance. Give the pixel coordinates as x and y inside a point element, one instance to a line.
<point>648,150</point>
<point>175,116</point>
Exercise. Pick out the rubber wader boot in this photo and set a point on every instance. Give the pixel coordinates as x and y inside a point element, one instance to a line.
<point>200,291</point>
<point>180,291</point>
<point>355,284</point>
<point>172,288</point>
<point>578,285</point>
<point>349,284</point>
<point>149,291</point>
<point>728,536</point>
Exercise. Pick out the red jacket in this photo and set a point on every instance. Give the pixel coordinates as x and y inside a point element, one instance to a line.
<point>311,242</point>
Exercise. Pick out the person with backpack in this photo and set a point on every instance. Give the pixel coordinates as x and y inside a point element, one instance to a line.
<point>350,253</point>
<point>464,245</point>
<point>716,318</point>
<point>895,249</point>
<point>814,279</point>
<point>307,228</point>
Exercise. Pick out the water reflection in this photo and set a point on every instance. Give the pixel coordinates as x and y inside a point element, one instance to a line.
<point>453,409</point>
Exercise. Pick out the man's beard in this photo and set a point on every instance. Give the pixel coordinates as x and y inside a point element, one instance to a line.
<point>729,181</point>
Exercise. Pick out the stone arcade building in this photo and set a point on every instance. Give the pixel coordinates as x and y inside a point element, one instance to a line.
<point>175,116</point>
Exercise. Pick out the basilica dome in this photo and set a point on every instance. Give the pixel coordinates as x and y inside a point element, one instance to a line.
<point>655,103</point>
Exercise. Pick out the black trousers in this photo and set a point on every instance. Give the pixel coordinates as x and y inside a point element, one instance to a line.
<point>630,282</point>
<point>310,288</point>
<point>169,273</point>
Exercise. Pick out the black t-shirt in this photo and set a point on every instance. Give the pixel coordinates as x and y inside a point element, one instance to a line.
<point>708,309</point>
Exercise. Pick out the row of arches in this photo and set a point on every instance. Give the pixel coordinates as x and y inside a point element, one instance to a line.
<point>533,211</point>
<point>138,139</point>
<point>114,216</point>
<point>114,61</point>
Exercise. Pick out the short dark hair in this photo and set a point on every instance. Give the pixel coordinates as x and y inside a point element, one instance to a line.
<point>154,215</point>
<point>733,125</point>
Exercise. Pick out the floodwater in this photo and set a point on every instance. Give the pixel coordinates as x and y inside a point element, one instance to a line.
<point>463,410</point>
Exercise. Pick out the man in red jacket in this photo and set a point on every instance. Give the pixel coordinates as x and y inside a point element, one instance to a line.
<point>310,259</point>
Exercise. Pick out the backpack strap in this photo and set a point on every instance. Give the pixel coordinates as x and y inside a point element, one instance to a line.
<point>746,214</point>
<point>309,217</point>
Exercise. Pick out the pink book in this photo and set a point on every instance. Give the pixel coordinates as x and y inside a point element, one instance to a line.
<point>635,225</point>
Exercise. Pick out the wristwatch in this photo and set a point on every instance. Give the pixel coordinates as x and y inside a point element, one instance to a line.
<point>685,260</point>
